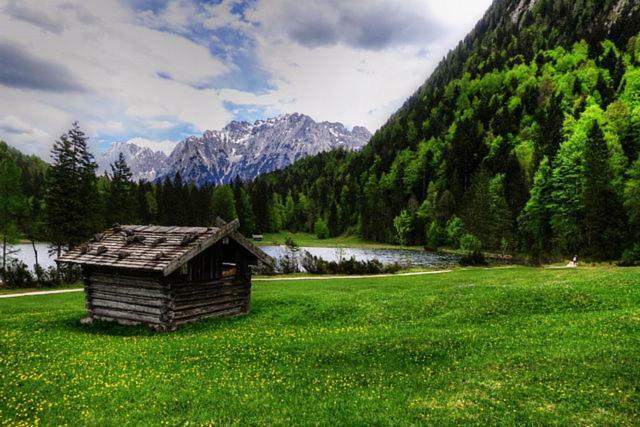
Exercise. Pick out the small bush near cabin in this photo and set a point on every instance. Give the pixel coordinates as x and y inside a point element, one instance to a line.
<point>472,247</point>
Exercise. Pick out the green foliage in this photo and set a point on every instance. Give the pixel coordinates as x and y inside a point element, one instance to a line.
<point>454,231</point>
<point>526,85</point>
<point>630,257</point>
<point>535,219</point>
<point>121,203</point>
<point>73,211</point>
<point>472,247</point>
<point>603,219</point>
<point>402,226</point>
<point>244,210</point>
<point>436,235</point>
<point>321,229</point>
<point>275,213</point>
<point>224,203</point>
<point>632,194</point>
<point>11,204</point>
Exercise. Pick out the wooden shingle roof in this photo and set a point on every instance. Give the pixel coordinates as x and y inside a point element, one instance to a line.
<point>155,248</point>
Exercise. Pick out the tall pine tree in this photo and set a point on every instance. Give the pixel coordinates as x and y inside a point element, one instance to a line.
<point>602,207</point>
<point>121,202</point>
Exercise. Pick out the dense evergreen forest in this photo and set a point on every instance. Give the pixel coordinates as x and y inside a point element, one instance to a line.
<point>526,137</point>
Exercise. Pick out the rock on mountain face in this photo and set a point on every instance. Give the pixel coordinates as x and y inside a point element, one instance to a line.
<point>145,164</point>
<point>247,150</point>
<point>240,149</point>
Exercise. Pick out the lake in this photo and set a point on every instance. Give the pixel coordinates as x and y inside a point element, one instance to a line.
<point>386,256</point>
<point>26,255</point>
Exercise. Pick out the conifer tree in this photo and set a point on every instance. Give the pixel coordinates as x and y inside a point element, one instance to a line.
<point>224,203</point>
<point>245,212</point>
<point>602,209</point>
<point>11,203</point>
<point>88,200</point>
<point>535,220</point>
<point>121,202</point>
<point>63,203</point>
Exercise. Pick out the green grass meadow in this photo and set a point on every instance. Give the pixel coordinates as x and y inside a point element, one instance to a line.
<point>518,346</point>
<point>311,240</point>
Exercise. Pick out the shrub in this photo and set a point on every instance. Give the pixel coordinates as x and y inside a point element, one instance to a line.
<point>454,232</point>
<point>402,227</point>
<point>316,265</point>
<point>17,275</point>
<point>630,257</point>
<point>436,235</point>
<point>321,229</point>
<point>289,262</point>
<point>472,247</point>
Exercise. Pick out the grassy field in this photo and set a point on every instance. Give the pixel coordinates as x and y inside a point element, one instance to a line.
<point>498,346</point>
<point>310,240</point>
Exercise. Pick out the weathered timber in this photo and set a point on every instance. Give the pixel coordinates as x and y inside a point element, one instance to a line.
<point>166,276</point>
<point>185,305</point>
<point>154,293</point>
<point>236,311</point>
<point>109,303</point>
<point>128,315</point>
<point>184,299</point>
<point>129,281</point>
<point>195,312</point>
<point>130,299</point>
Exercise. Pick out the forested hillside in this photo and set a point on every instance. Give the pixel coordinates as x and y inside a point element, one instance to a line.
<point>526,136</point>
<point>29,173</point>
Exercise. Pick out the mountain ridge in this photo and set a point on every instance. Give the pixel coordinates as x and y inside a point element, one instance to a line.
<point>240,149</point>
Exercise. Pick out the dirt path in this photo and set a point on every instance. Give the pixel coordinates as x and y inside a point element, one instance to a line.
<point>263,279</point>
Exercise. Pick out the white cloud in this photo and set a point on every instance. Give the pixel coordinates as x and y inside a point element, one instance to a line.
<point>148,74</point>
<point>343,79</point>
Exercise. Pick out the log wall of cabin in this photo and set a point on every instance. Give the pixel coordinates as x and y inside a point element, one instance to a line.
<point>127,298</point>
<point>204,288</point>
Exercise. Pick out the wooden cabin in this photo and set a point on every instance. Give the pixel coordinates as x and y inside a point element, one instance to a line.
<point>166,276</point>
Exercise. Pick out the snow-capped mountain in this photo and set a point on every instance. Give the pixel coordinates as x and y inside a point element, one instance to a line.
<point>145,164</point>
<point>247,149</point>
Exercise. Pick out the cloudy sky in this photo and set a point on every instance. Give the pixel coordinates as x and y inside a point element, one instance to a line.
<point>155,71</point>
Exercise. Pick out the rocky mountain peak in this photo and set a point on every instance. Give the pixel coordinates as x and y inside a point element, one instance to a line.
<point>240,149</point>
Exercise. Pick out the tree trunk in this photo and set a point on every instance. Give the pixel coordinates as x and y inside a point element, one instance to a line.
<point>35,254</point>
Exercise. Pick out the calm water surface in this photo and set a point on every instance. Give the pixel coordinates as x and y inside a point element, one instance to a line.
<point>26,255</point>
<point>386,256</point>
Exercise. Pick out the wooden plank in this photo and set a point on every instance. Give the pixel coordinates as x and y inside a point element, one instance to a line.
<point>117,287</point>
<point>128,280</point>
<point>201,246</point>
<point>111,304</point>
<point>128,315</point>
<point>205,311</point>
<point>233,311</point>
<point>127,290</point>
<point>220,299</point>
<point>130,299</point>
<point>181,297</point>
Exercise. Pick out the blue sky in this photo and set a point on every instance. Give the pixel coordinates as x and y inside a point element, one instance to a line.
<point>156,71</point>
